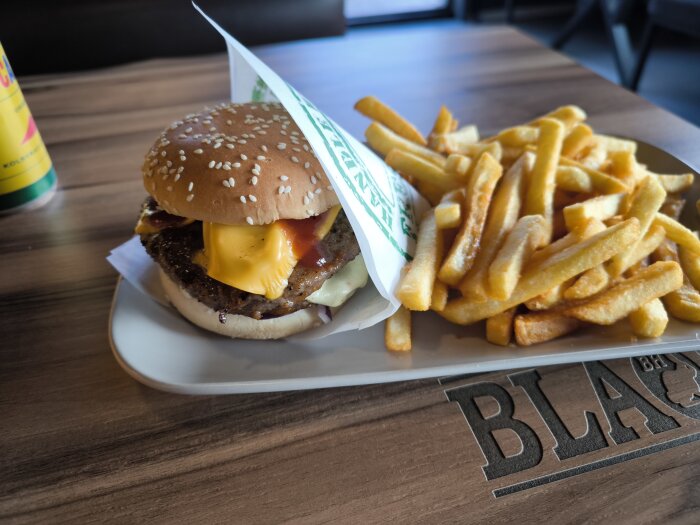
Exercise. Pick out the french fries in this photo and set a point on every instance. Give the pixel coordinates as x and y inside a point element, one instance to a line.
<point>376,110</point>
<point>625,297</point>
<point>499,328</point>
<point>503,214</point>
<point>557,269</point>
<point>539,229</point>
<point>540,193</point>
<point>415,289</point>
<point>461,256</point>
<point>650,320</point>
<point>505,270</point>
<point>539,327</point>
<point>397,331</point>
<point>383,140</point>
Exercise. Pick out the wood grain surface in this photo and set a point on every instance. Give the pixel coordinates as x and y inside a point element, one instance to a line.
<point>81,441</point>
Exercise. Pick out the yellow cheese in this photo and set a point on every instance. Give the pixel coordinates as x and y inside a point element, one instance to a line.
<point>256,259</point>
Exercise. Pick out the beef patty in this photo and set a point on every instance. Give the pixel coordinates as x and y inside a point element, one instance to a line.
<point>173,249</point>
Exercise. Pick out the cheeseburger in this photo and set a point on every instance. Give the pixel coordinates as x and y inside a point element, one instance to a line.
<point>248,233</point>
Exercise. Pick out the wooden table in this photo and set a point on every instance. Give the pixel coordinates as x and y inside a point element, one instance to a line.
<point>83,441</point>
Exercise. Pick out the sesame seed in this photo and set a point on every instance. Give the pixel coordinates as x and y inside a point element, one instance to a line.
<point>242,141</point>
<point>311,195</point>
<point>177,177</point>
<point>244,157</point>
<point>313,179</point>
<point>249,220</point>
<point>254,180</point>
<point>281,145</point>
<point>188,130</point>
<point>162,153</point>
<point>307,165</point>
<point>182,136</point>
<point>217,145</point>
<point>181,169</point>
<point>230,146</point>
<point>306,200</point>
<point>284,178</point>
<point>213,128</point>
<point>199,151</point>
<point>317,191</point>
<point>283,132</point>
<point>190,186</point>
<point>294,159</point>
<point>243,199</point>
<point>190,197</point>
<point>169,164</point>
<point>212,163</point>
<point>297,150</point>
<point>255,171</point>
<point>226,183</point>
<point>260,157</point>
<point>280,190</point>
<point>236,164</point>
<point>252,198</point>
<point>288,189</point>
<point>181,152</point>
<point>306,148</point>
<point>257,167</point>
<point>227,167</point>
<point>231,181</point>
<point>218,165</point>
<point>183,158</point>
<point>229,122</point>
<point>295,132</point>
<point>264,148</point>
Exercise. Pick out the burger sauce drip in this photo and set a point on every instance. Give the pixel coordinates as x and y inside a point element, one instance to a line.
<point>306,245</point>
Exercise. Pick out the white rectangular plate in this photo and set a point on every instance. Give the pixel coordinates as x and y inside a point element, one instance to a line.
<point>159,348</point>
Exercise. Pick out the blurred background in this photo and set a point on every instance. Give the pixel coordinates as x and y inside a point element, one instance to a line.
<point>649,46</point>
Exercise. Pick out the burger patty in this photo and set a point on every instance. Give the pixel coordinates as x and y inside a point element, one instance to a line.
<point>174,248</point>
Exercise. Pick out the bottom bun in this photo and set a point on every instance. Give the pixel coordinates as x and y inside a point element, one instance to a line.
<point>239,326</point>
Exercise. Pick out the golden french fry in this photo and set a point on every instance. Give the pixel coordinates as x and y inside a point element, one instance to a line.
<point>600,181</point>
<point>569,116</point>
<point>540,193</point>
<point>429,191</point>
<point>448,214</point>
<point>555,270</point>
<point>678,233</point>
<point>650,320</point>
<point>538,327</point>
<point>580,179</point>
<point>458,165</point>
<point>673,206</point>
<point>443,122</point>
<point>576,141</point>
<point>590,283</point>
<point>420,169</point>
<point>623,165</point>
<point>376,110</point>
<point>615,143</point>
<point>587,229</point>
<point>415,288</point>
<point>690,262</point>
<point>684,304</point>
<point>397,331</point>
<point>518,136</point>
<point>383,140</point>
<point>594,157</point>
<point>461,256</point>
<point>506,268</point>
<point>502,215</point>
<point>625,297</point>
<point>455,141</point>
<point>440,295</point>
<point>550,298</point>
<point>645,203</point>
<point>675,183</point>
<point>601,208</point>
<point>499,328</point>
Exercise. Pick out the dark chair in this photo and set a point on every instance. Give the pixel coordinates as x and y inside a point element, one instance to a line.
<point>43,36</point>
<point>615,16</point>
<point>682,16</point>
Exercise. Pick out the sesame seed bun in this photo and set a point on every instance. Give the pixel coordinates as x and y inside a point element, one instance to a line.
<point>236,164</point>
<point>237,326</point>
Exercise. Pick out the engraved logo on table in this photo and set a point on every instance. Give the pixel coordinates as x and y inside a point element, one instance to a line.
<point>534,429</point>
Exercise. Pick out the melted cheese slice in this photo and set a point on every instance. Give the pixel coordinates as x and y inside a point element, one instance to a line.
<point>339,288</point>
<point>256,259</point>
